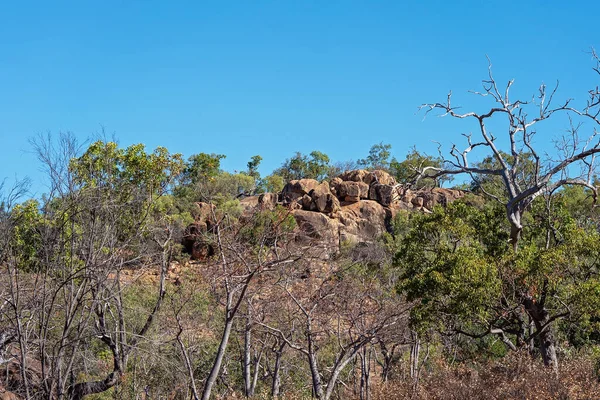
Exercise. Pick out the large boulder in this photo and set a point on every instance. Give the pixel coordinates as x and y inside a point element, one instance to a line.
<point>295,189</point>
<point>380,176</point>
<point>353,189</point>
<point>357,175</point>
<point>268,200</point>
<point>317,229</point>
<point>324,200</point>
<point>301,186</point>
<point>364,221</point>
<point>383,194</point>
<point>249,203</point>
<point>194,237</point>
<point>429,198</point>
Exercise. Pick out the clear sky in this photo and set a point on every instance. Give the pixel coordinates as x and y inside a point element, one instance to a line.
<point>272,77</point>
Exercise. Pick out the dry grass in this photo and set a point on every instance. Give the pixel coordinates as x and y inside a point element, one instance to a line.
<point>515,377</point>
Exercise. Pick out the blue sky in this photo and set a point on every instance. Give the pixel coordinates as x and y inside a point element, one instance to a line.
<point>273,77</point>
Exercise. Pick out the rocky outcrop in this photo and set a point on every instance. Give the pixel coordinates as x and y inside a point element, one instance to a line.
<point>357,206</point>
<point>194,237</point>
<point>324,201</point>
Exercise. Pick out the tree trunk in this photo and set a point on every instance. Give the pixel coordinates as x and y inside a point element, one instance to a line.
<point>540,317</point>
<point>246,363</point>
<point>414,358</point>
<point>275,388</point>
<point>214,372</point>
<point>515,236</point>
<point>365,374</point>
<point>314,368</point>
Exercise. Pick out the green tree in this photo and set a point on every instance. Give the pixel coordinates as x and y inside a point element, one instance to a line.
<point>314,166</point>
<point>408,170</point>
<point>458,268</point>
<point>378,158</point>
<point>102,216</point>
<point>253,167</point>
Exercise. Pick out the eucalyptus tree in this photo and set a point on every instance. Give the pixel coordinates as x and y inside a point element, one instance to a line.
<point>525,172</point>
<point>70,251</point>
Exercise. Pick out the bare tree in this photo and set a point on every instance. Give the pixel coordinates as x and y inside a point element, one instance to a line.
<point>332,306</point>
<point>524,172</point>
<point>246,250</point>
<point>522,118</point>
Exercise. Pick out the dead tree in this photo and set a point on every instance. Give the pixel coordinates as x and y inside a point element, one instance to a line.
<point>522,119</point>
<point>525,174</point>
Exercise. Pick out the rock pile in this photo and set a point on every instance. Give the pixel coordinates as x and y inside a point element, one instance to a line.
<point>357,206</point>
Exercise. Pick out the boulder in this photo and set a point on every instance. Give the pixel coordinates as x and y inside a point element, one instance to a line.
<point>301,186</point>
<point>307,203</point>
<point>203,214</point>
<point>380,176</point>
<point>353,189</point>
<point>437,196</point>
<point>324,200</point>
<point>383,194</point>
<point>351,199</point>
<point>362,221</point>
<point>193,237</point>
<point>248,203</point>
<point>267,200</point>
<point>317,226</point>
<point>357,175</point>
<point>334,185</point>
<point>417,202</point>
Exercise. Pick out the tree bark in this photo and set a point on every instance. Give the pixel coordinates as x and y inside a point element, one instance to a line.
<point>214,372</point>
<point>541,320</point>
<point>275,387</point>
<point>246,362</point>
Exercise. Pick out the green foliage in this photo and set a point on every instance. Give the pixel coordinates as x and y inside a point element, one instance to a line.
<point>272,184</point>
<point>378,158</point>
<point>253,167</point>
<point>202,167</point>
<point>106,166</point>
<point>314,166</point>
<point>266,226</point>
<point>406,171</point>
<point>445,265</point>
<point>26,240</point>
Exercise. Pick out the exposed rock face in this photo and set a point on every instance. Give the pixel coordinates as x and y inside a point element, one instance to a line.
<point>362,221</point>
<point>193,240</point>
<point>268,200</point>
<point>296,189</point>
<point>357,206</point>
<point>324,200</point>
<point>352,189</point>
<point>383,194</point>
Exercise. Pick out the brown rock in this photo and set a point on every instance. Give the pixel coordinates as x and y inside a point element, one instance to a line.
<point>268,200</point>
<point>438,196</point>
<point>334,185</point>
<point>317,225</point>
<point>248,203</point>
<point>382,177</point>
<point>301,187</point>
<point>307,203</point>
<point>352,199</point>
<point>203,213</point>
<point>383,194</point>
<point>362,221</point>
<point>193,239</point>
<point>324,200</point>
<point>349,188</point>
<point>417,202</point>
<point>353,189</point>
<point>357,175</point>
